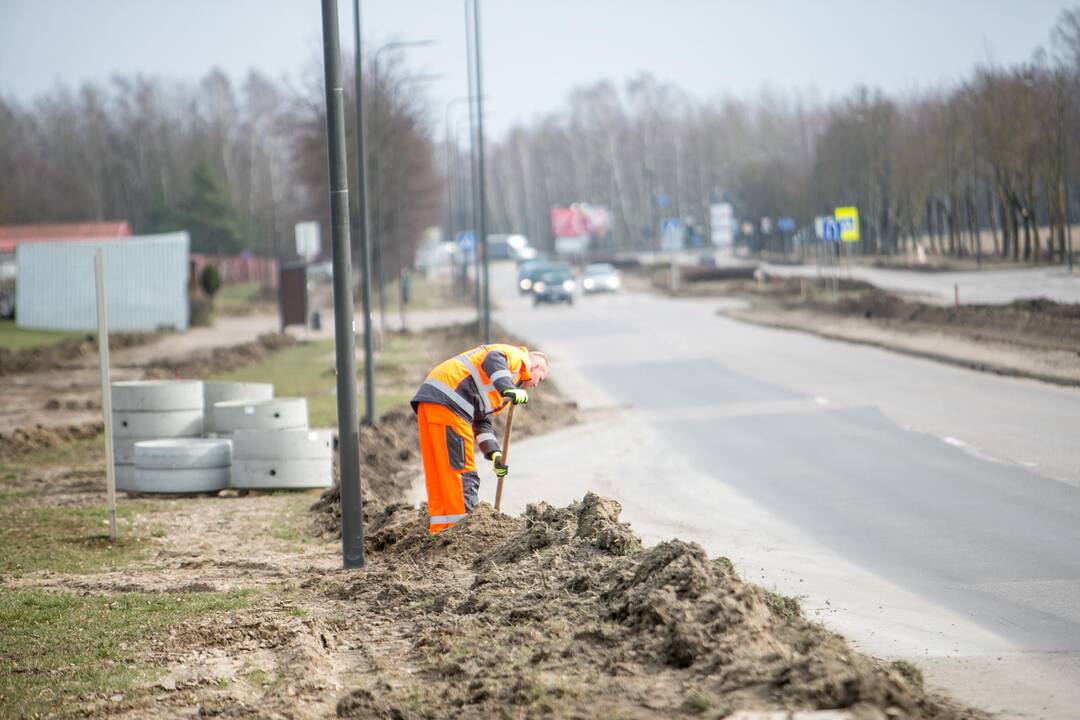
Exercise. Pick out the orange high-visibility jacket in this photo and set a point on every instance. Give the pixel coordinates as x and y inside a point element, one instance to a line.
<point>471,385</point>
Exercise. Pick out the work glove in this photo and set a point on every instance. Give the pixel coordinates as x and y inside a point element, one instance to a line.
<point>500,469</point>
<point>516,395</point>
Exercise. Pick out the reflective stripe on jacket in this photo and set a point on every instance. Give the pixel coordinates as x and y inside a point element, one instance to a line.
<point>471,385</point>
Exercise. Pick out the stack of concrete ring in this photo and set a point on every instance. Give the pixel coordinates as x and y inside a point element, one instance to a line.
<point>187,436</point>
<point>273,447</point>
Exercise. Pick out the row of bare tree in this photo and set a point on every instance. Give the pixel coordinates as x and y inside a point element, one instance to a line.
<point>237,166</point>
<point>978,168</point>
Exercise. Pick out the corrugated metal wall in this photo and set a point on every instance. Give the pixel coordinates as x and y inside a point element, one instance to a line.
<point>145,283</point>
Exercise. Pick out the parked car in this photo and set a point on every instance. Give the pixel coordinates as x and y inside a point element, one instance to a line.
<point>600,278</point>
<point>554,284</point>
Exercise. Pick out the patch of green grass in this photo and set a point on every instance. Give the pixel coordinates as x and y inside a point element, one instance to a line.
<point>782,606</point>
<point>68,539</point>
<point>237,295</point>
<point>17,338</point>
<point>56,647</point>
<point>696,703</point>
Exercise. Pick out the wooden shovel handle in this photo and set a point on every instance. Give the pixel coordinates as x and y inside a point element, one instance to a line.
<point>505,454</point>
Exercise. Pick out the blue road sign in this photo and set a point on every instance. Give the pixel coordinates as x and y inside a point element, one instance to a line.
<point>466,239</point>
<point>786,224</point>
<point>671,225</point>
<point>831,231</point>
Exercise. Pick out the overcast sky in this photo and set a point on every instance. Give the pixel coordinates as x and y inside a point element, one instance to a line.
<point>534,52</point>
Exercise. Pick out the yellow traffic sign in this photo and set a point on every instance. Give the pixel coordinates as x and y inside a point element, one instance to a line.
<point>848,219</point>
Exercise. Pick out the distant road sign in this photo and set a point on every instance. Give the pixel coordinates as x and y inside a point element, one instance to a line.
<point>466,240</point>
<point>848,218</point>
<point>786,224</point>
<point>722,224</point>
<point>671,234</point>
<point>826,228</point>
<point>308,240</point>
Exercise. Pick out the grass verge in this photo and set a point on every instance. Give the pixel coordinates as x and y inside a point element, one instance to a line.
<point>69,539</point>
<point>55,647</point>
<point>17,338</point>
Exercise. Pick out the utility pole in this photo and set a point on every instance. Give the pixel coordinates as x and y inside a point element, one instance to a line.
<point>1065,172</point>
<point>974,208</point>
<point>470,43</point>
<point>480,195</point>
<point>365,224</point>
<point>352,518</point>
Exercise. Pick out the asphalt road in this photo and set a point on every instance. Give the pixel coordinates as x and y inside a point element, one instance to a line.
<point>992,287</point>
<point>922,509</point>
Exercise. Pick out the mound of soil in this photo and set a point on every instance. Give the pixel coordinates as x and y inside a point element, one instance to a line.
<point>24,440</point>
<point>220,359</point>
<point>561,612</point>
<point>390,455</point>
<point>64,353</point>
<point>1032,322</point>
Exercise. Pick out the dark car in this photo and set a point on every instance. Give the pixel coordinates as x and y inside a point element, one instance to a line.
<point>600,278</point>
<point>527,273</point>
<point>553,284</point>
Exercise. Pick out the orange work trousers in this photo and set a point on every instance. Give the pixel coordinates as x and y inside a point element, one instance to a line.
<point>446,446</point>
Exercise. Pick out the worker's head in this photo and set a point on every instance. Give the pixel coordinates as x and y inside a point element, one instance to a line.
<point>538,369</point>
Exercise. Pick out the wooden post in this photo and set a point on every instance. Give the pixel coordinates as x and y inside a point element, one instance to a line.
<point>106,391</point>
<point>506,455</point>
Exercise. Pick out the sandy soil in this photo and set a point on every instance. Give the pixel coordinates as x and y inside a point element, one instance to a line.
<point>559,613</point>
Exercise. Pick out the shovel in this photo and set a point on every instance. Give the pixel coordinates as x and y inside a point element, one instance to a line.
<point>505,454</point>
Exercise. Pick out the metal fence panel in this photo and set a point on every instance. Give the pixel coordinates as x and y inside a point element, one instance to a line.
<point>146,281</point>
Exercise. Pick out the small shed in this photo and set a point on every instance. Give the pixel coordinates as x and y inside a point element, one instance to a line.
<point>146,279</point>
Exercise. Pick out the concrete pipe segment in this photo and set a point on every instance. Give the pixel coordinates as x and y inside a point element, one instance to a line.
<point>280,459</point>
<point>215,392</point>
<point>276,414</point>
<point>183,465</point>
<point>151,410</point>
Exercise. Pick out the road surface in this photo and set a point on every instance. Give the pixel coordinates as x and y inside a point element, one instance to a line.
<point>924,510</point>
<point>992,287</point>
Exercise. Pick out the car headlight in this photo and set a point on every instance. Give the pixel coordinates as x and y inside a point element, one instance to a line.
<point>526,284</point>
<point>588,284</point>
<point>539,286</point>
<point>613,282</point>
<point>568,285</point>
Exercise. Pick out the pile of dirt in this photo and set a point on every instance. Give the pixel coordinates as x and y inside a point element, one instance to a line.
<point>1032,322</point>
<point>389,452</point>
<point>222,359</point>
<point>562,612</point>
<point>64,353</point>
<point>24,440</point>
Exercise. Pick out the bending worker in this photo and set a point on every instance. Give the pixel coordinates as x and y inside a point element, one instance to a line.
<point>454,408</point>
